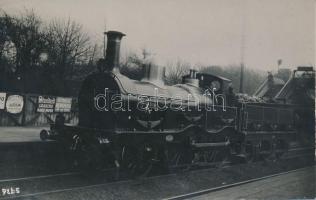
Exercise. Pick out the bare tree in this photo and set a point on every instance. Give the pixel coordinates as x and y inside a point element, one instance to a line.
<point>133,65</point>
<point>22,32</point>
<point>32,52</point>
<point>176,71</point>
<point>67,45</point>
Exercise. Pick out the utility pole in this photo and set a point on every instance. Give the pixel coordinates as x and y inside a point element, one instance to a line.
<point>241,84</point>
<point>104,38</point>
<point>145,53</point>
<point>279,64</point>
<point>104,35</point>
<point>242,48</point>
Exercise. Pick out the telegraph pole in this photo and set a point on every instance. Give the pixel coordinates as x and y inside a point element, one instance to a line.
<point>242,49</point>
<point>104,39</point>
<point>241,84</point>
<point>279,64</point>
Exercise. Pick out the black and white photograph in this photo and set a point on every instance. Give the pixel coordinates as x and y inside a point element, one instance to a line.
<point>157,99</point>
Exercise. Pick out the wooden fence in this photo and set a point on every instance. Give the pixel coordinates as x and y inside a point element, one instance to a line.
<point>30,117</point>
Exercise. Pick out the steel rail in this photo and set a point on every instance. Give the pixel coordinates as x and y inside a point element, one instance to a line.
<point>213,189</point>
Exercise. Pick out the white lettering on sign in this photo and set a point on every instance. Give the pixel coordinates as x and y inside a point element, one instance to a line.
<point>49,100</point>
<point>63,104</point>
<point>14,104</point>
<point>46,104</point>
<point>2,100</point>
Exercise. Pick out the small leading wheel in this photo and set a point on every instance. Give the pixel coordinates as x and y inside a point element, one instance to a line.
<point>137,161</point>
<point>87,156</point>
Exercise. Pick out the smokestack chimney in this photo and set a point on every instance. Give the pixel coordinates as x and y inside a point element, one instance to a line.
<point>112,57</point>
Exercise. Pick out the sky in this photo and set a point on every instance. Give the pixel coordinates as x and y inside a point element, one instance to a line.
<point>201,32</point>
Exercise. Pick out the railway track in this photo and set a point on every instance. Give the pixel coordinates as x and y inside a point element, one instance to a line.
<point>55,182</point>
<point>140,184</point>
<point>71,175</point>
<point>223,187</point>
<point>38,177</point>
<point>73,181</point>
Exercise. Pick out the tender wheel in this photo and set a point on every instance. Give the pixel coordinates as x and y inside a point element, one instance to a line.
<point>250,152</point>
<point>281,148</point>
<point>266,150</point>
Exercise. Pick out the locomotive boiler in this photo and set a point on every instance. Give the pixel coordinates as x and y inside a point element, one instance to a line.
<point>136,125</point>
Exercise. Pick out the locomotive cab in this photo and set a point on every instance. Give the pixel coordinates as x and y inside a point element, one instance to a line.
<point>217,84</point>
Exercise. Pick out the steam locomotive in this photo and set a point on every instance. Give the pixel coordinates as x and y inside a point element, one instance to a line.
<point>137,125</point>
